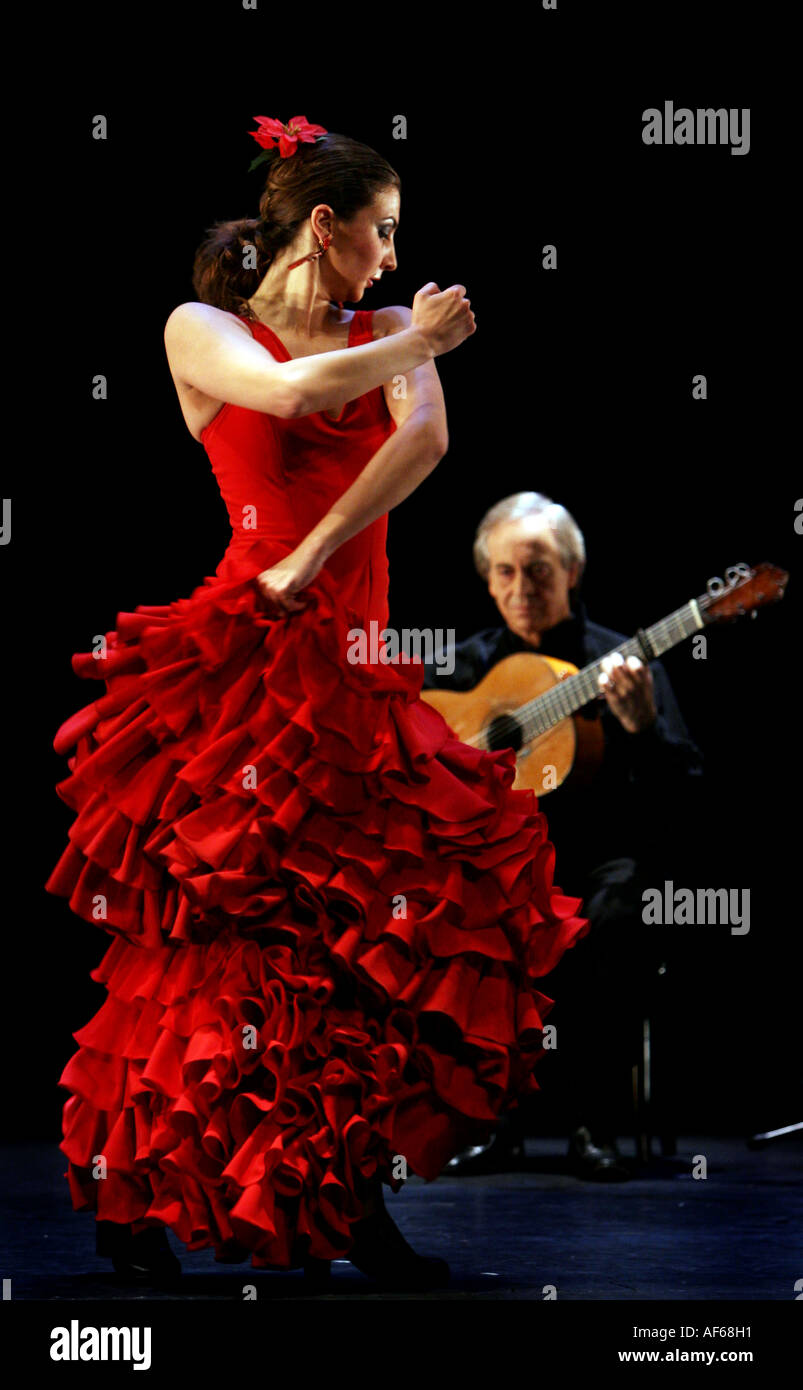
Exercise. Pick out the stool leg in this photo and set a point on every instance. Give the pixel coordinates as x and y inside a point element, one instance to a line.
<point>665,1119</point>
<point>642,1084</point>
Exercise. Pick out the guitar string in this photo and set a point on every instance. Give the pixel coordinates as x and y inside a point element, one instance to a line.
<point>558,697</point>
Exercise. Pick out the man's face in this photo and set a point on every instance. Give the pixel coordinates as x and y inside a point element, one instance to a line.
<point>527,578</point>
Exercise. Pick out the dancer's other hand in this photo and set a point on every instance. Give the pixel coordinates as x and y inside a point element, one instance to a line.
<point>281,585</point>
<point>443,316</point>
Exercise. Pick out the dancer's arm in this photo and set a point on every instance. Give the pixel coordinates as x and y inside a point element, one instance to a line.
<point>406,458</point>
<point>397,468</point>
<point>215,352</point>
<point>407,392</point>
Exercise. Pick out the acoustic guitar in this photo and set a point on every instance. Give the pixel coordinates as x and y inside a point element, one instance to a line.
<point>530,702</point>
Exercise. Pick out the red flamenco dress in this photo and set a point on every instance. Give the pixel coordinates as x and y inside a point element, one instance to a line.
<point>329,917</point>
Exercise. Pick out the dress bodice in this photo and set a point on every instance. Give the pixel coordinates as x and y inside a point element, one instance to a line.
<point>278,478</point>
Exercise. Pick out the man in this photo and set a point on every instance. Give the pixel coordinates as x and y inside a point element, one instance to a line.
<point>612,838</point>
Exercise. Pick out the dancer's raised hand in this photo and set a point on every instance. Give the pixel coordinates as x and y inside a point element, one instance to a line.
<point>443,316</point>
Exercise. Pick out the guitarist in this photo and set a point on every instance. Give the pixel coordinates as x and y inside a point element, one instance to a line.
<point>620,834</point>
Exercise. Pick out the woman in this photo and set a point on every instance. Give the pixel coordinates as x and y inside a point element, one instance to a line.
<point>328,915</point>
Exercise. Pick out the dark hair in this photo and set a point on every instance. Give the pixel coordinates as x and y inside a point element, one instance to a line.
<point>334,170</point>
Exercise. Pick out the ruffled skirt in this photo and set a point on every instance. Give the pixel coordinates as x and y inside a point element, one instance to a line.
<point>329,922</point>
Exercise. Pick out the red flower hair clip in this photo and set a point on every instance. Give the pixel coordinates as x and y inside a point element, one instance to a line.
<point>272,133</point>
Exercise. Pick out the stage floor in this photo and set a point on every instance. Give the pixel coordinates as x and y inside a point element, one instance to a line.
<point>662,1235</point>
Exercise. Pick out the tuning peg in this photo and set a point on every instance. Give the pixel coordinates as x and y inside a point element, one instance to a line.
<point>735,573</point>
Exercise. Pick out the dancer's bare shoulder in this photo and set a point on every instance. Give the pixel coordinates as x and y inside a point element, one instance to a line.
<point>187,318</point>
<point>205,347</point>
<point>393,318</point>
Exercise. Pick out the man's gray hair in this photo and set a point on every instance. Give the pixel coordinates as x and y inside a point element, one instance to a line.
<point>568,536</point>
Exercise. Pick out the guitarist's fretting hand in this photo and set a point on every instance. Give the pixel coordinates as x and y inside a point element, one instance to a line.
<point>628,689</point>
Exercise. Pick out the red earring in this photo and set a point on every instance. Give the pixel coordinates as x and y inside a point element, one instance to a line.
<point>313,255</point>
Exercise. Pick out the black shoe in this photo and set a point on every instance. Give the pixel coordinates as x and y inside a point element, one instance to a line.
<point>232,1253</point>
<point>317,1275</point>
<point>380,1251</point>
<point>501,1154</point>
<point>144,1258</point>
<point>595,1162</point>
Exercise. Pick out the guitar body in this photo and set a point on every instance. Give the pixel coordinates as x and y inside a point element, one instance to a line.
<point>575,743</point>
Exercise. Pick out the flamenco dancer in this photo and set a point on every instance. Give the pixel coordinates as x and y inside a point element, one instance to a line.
<point>329,917</point>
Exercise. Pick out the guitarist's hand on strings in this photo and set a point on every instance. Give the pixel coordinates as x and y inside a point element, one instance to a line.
<point>627,686</point>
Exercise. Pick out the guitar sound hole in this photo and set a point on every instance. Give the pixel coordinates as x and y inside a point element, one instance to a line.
<point>504,732</point>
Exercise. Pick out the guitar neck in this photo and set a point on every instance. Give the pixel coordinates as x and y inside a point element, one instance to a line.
<point>568,696</point>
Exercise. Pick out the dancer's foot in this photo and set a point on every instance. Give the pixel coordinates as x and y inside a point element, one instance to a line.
<point>381,1252</point>
<point>141,1258</point>
<point>373,1198</point>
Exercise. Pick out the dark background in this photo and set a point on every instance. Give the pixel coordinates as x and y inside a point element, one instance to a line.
<point>671,261</point>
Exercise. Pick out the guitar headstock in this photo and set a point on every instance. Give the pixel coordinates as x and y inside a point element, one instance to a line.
<point>743,590</point>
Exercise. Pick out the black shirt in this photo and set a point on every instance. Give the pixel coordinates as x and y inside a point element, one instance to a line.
<point>639,804</point>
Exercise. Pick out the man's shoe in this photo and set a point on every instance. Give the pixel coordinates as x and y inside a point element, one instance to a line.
<point>595,1162</point>
<point>499,1155</point>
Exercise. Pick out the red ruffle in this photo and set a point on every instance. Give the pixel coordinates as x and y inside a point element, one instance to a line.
<point>253,817</point>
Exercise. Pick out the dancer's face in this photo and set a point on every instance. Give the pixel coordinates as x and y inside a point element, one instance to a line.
<point>361,249</point>
<point>527,577</point>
